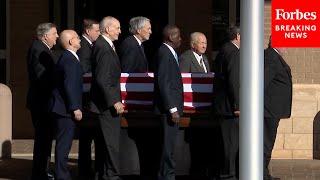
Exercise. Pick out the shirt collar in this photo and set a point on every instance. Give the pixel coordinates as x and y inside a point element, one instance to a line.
<point>85,37</point>
<point>46,45</point>
<point>235,45</point>
<point>108,40</point>
<point>74,54</point>
<point>276,50</point>
<point>139,42</point>
<point>172,51</point>
<point>198,57</point>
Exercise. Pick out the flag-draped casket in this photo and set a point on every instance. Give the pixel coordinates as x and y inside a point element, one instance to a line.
<point>137,90</point>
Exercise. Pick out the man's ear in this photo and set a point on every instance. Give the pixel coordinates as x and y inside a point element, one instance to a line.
<point>139,31</point>
<point>45,36</point>
<point>238,36</point>
<point>70,42</point>
<point>87,31</point>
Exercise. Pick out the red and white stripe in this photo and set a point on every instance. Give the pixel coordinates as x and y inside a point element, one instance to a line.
<point>137,90</point>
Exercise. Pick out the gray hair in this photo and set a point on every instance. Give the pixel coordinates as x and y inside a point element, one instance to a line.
<point>106,22</point>
<point>194,37</point>
<point>137,23</point>
<point>44,28</point>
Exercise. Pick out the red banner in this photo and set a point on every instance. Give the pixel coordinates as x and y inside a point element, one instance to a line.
<point>295,23</point>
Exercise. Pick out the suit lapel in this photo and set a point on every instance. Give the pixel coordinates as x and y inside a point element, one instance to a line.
<point>140,48</point>
<point>282,61</point>
<point>206,63</point>
<point>285,65</point>
<point>72,56</point>
<point>109,48</point>
<point>195,62</point>
<point>172,58</point>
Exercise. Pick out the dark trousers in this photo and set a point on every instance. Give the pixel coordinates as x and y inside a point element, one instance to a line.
<point>110,126</point>
<point>167,163</point>
<point>270,133</point>
<point>230,136</point>
<point>43,136</point>
<point>146,141</point>
<point>205,157</point>
<point>89,131</point>
<point>65,127</point>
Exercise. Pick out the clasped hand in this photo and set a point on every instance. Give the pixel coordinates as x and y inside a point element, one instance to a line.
<point>119,107</point>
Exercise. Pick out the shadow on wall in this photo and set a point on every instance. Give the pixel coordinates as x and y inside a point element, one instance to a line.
<point>316,136</point>
<point>6,149</point>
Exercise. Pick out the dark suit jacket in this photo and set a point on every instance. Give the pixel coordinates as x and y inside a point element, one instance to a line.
<point>67,93</point>
<point>40,63</point>
<point>277,86</point>
<point>132,56</point>
<point>168,82</point>
<point>106,72</point>
<point>188,63</point>
<point>84,54</point>
<point>226,82</point>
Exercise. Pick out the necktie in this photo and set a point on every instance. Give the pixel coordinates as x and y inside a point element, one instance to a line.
<point>202,64</point>
<point>176,58</point>
<point>114,48</point>
<point>142,49</point>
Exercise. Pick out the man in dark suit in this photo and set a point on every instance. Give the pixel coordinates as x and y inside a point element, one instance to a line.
<point>132,56</point>
<point>194,60</point>
<point>89,129</point>
<point>168,100</point>
<point>90,34</point>
<point>226,100</point>
<point>133,60</point>
<point>66,101</point>
<point>277,99</point>
<point>105,95</point>
<point>40,63</point>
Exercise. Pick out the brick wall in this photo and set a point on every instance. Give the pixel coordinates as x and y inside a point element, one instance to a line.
<point>298,137</point>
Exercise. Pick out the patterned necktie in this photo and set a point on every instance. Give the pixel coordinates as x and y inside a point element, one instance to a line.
<point>202,65</point>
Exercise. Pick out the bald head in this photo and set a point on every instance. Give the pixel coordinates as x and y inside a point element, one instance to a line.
<point>70,40</point>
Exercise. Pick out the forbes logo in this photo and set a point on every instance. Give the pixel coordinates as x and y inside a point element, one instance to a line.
<point>281,14</point>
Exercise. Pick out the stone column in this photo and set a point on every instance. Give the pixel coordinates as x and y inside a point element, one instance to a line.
<point>5,121</point>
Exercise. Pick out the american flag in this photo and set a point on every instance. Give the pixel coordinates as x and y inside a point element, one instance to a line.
<point>137,90</point>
